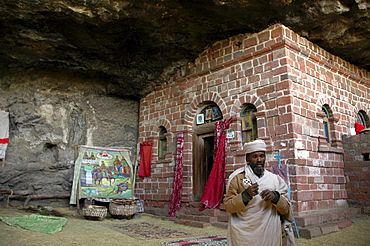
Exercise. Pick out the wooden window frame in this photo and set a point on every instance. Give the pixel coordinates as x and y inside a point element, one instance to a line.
<point>327,122</point>
<point>249,130</point>
<point>334,145</point>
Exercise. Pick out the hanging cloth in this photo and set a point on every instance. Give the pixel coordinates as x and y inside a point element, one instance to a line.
<point>358,128</point>
<point>214,190</point>
<point>4,133</point>
<point>145,159</point>
<point>179,174</point>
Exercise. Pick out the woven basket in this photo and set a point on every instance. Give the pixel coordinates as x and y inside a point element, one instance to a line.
<point>122,209</point>
<point>93,212</point>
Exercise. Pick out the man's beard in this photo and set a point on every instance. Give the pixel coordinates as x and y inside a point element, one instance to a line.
<point>258,171</point>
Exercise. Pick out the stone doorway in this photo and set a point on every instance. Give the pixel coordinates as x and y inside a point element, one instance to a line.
<point>203,143</point>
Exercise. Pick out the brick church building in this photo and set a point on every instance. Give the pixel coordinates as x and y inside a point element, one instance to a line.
<point>273,85</point>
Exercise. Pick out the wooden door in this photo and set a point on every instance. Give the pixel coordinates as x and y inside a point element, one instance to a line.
<point>203,143</point>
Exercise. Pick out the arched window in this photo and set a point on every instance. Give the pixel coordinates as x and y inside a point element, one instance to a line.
<point>249,123</point>
<point>327,121</point>
<point>362,118</point>
<point>208,114</point>
<point>162,143</point>
<point>362,121</point>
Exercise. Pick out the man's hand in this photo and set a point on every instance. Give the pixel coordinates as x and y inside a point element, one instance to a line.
<point>253,189</point>
<point>267,195</point>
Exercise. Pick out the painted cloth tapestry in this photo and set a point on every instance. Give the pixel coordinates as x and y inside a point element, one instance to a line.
<point>179,174</point>
<point>214,190</point>
<point>4,133</point>
<point>102,173</point>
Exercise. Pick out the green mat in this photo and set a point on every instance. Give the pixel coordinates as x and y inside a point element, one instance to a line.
<point>40,223</point>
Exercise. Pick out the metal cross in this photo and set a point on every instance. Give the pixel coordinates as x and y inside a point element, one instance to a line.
<point>279,158</point>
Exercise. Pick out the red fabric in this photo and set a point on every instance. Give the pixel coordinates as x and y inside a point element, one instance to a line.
<point>145,159</point>
<point>177,184</point>
<point>358,128</point>
<point>4,140</point>
<point>214,190</point>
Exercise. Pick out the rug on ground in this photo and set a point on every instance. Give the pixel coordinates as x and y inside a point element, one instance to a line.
<point>34,222</point>
<point>219,240</point>
<point>146,230</point>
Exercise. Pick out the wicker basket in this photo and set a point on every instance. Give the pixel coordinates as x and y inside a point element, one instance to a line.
<point>122,208</point>
<point>93,212</point>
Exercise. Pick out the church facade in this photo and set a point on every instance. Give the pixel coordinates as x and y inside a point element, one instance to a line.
<point>273,85</point>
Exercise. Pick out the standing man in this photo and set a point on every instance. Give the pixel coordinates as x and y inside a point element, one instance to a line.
<point>256,202</point>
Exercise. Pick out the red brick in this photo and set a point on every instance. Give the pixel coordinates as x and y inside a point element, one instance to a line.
<point>277,32</point>
<point>250,42</point>
<point>280,70</point>
<point>285,118</point>
<point>284,85</point>
<point>304,196</point>
<point>264,36</point>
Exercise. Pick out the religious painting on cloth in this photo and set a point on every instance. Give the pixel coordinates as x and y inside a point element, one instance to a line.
<point>102,173</point>
<point>4,133</point>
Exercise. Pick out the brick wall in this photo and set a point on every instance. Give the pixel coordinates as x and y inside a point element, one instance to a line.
<point>288,79</point>
<point>357,170</point>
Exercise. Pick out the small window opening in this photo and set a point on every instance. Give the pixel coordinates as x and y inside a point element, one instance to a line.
<point>249,123</point>
<point>326,122</point>
<point>162,143</point>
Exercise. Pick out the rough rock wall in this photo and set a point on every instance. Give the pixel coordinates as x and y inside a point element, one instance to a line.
<point>50,115</point>
<point>139,44</point>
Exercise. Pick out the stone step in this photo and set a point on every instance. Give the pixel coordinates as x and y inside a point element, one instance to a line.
<point>219,224</point>
<point>326,216</point>
<point>205,212</point>
<point>202,218</point>
<point>221,215</point>
<point>328,227</point>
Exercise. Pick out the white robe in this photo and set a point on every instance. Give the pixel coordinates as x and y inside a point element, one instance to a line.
<point>258,223</point>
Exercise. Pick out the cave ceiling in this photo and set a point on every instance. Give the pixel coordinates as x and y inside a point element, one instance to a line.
<point>136,45</point>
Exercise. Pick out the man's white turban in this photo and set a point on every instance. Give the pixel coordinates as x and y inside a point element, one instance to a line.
<point>254,146</point>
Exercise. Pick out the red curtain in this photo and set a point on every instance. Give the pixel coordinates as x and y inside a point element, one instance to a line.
<point>358,128</point>
<point>178,181</point>
<point>214,190</point>
<point>145,159</point>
